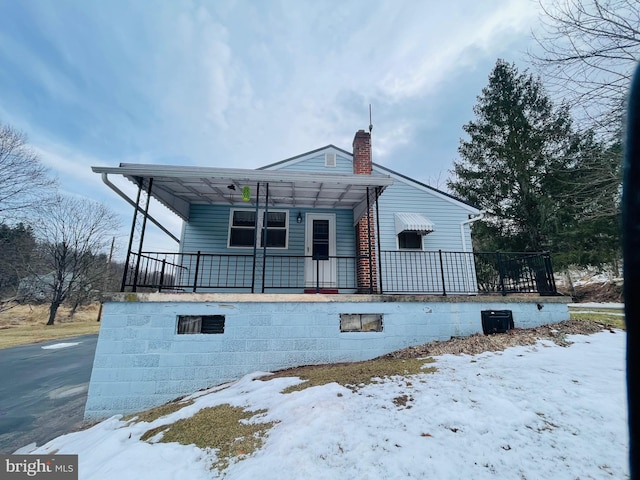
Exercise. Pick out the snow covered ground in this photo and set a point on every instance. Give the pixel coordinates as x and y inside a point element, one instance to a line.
<point>534,412</point>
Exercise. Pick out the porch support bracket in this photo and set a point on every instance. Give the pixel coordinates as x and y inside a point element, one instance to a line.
<point>136,205</point>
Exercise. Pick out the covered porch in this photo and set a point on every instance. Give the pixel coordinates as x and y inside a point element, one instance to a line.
<point>253,231</point>
<point>260,231</point>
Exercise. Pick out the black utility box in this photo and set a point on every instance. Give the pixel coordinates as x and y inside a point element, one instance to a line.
<point>496,321</point>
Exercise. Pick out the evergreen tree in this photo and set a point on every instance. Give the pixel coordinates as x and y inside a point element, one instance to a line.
<point>517,143</point>
<point>589,233</point>
<point>17,244</point>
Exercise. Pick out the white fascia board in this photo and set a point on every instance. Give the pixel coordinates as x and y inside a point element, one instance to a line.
<point>243,175</point>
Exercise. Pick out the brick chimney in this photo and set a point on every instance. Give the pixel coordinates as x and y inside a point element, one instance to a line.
<point>366,271</point>
<point>362,153</point>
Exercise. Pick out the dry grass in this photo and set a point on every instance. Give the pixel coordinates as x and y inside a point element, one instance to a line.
<point>234,432</point>
<point>229,430</point>
<point>606,315</point>
<point>161,411</point>
<point>479,343</point>
<point>25,324</point>
<point>353,375</point>
<point>603,318</point>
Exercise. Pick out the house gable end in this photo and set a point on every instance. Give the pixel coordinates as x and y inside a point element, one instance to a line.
<point>329,159</point>
<point>315,161</point>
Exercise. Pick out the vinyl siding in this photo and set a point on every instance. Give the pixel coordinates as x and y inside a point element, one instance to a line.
<point>208,229</point>
<point>446,217</point>
<point>417,268</point>
<point>315,163</point>
<point>413,269</point>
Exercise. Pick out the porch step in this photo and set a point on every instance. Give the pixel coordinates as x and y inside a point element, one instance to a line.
<point>322,290</point>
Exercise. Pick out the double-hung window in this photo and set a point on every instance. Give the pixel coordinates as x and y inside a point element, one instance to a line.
<point>272,228</point>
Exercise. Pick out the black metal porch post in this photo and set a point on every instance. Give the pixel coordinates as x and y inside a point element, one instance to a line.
<point>133,229</point>
<point>255,240</point>
<point>378,239</point>
<point>444,286</point>
<point>265,235</point>
<point>144,226</point>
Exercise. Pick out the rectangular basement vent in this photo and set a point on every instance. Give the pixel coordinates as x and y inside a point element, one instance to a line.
<point>200,324</point>
<point>360,322</point>
<point>329,159</point>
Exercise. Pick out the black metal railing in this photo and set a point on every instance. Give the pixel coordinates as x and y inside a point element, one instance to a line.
<point>515,273</point>
<point>187,271</point>
<point>299,271</point>
<point>410,272</point>
<point>440,272</point>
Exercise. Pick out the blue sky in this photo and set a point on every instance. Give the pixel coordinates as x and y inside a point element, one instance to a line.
<point>247,83</point>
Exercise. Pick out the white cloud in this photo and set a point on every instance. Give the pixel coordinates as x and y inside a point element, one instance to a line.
<point>244,83</point>
<point>431,52</point>
<point>383,145</point>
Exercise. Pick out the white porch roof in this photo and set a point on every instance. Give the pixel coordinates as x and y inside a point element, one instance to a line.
<point>413,222</point>
<point>177,187</point>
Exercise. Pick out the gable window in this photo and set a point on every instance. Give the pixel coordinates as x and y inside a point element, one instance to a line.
<point>409,240</point>
<point>330,159</point>
<point>242,228</point>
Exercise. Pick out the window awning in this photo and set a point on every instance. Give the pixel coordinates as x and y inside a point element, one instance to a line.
<point>413,222</point>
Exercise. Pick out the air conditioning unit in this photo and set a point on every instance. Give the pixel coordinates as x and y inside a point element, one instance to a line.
<point>496,321</point>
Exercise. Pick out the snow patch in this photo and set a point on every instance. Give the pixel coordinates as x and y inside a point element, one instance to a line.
<point>56,346</point>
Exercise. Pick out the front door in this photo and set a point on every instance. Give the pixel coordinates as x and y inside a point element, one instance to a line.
<point>320,250</point>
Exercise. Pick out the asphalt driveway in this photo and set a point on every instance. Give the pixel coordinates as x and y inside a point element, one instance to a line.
<point>43,391</point>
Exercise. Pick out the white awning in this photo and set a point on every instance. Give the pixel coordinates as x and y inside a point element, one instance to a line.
<point>413,222</point>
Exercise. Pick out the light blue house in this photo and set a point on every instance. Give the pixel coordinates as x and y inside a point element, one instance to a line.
<point>413,223</point>
<point>323,257</point>
<point>325,221</point>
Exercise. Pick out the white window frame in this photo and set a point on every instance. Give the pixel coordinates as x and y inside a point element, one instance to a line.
<point>333,163</point>
<point>260,226</point>
<point>410,249</point>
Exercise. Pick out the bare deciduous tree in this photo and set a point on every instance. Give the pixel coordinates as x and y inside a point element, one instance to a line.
<point>589,51</point>
<point>24,181</point>
<point>74,232</point>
